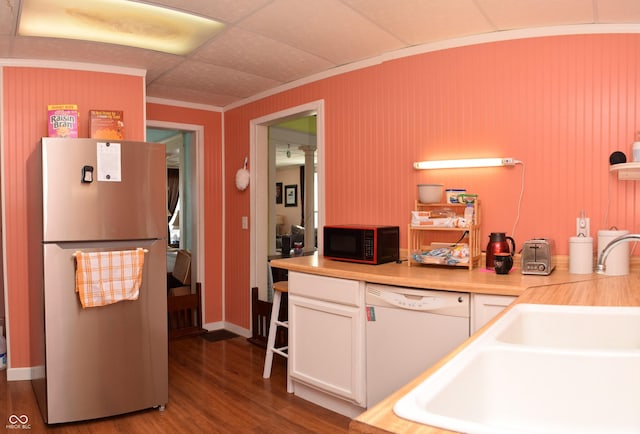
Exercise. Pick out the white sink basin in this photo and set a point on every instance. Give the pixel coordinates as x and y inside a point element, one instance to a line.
<point>590,327</point>
<point>537,370</point>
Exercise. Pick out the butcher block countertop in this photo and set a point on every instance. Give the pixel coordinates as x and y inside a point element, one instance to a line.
<point>478,280</point>
<point>560,287</point>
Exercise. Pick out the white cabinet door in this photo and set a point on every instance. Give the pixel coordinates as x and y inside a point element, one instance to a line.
<point>326,339</point>
<point>485,307</point>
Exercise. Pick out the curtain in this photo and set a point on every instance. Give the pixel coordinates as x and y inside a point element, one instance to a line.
<point>173,190</point>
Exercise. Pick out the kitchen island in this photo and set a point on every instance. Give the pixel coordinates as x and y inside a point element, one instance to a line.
<point>560,287</point>
<point>607,291</point>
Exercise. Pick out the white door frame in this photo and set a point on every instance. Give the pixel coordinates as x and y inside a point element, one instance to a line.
<point>198,197</point>
<point>260,185</point>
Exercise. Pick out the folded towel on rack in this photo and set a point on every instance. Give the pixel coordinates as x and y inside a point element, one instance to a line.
<point>104,278</point>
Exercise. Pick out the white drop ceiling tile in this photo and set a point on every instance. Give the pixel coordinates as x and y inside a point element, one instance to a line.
<point>215,79</point>
<point>5,46</point>
<point>41,48</point>
<point>256,54</point>
<point>191,95</point>
<point>418,21</point>
<point>270,42</point>
<point>9,11</point>
<point>228,11</point>
<point>516,14</point>
<point>618,11</point>
<point>328,28</point>
<point>154,62</point>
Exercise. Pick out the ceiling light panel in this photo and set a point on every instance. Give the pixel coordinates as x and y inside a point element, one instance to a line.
<point>117,22</point>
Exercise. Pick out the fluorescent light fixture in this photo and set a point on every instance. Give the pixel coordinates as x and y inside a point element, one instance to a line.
<point>119,22</point>
<point>470,162</point>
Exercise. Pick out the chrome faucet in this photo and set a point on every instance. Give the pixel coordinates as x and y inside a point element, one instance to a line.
<point>600,267</point>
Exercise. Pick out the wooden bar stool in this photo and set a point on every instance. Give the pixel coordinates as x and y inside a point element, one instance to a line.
<point>278,289</point>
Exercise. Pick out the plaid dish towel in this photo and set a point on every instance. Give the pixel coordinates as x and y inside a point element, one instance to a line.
<point>104,278</point>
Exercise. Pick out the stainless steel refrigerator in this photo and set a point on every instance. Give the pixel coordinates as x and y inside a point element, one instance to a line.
<point>108,360</point>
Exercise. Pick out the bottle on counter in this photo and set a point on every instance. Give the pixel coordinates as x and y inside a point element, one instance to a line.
<point>635,148</point>
<point>468,214</point>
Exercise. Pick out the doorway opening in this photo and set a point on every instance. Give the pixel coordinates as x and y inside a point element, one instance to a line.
<point>293,149</point>
<point>184,193</point>
<point>263,192</point>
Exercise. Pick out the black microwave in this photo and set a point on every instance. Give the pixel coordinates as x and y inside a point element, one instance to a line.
<point>366,244</point>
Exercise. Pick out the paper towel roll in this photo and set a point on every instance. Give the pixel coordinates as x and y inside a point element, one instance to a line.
<point>581,255</point>
<point>617,263</point>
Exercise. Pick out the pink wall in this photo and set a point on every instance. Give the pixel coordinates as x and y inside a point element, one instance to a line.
<point>560,104</point>
<point>212,161</point>
<point>26,94</point>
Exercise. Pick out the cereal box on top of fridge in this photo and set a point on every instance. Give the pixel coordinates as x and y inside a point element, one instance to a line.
<point>106,124</point>
<point>63,120</point>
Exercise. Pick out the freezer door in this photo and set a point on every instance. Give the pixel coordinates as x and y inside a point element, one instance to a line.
<point>78,206</point>
<point>107,360</point>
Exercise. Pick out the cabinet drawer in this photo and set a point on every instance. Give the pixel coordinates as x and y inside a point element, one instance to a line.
<point>343,291</point>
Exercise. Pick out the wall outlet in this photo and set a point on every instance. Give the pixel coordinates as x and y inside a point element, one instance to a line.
<point>583,226</point>
<point>245,222</point>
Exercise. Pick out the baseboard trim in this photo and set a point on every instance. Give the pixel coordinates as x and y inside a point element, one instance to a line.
<point>219,325</point>
<point>25,374</point>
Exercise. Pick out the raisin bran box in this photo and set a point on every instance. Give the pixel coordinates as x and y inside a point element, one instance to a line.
<point>63,120</point>
<point>106,124</point>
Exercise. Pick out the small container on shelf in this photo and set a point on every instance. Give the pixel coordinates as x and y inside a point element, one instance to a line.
<point>452,194</point>
<point>430,193</point>
<point>468,214</point>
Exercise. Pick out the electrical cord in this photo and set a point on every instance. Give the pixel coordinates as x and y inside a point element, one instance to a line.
<point>606,210</point>
<point>515,223</point>
<point>464,234</point>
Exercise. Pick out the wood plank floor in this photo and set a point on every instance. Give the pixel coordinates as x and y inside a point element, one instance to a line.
<point>214,387</point>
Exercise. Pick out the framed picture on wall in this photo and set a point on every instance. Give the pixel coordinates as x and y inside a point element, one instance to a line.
<point>291,195</point>
<point>278,192</point>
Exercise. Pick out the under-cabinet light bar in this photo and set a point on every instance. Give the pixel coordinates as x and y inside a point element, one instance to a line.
<point>459,164</point>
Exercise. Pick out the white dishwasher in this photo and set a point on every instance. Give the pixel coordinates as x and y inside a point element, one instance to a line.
<point>408,330</point>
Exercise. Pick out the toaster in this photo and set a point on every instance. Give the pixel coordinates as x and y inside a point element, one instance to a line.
<point>538,256</point>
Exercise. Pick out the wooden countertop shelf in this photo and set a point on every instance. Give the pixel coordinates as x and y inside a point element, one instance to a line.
<point>626,171</point>
<point>422,239</point>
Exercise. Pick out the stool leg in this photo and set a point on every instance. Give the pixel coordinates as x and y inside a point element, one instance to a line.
<point>289,382</point>
<point>271,340</point>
